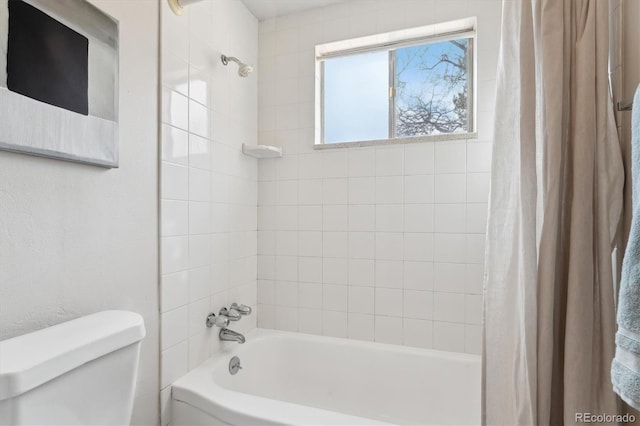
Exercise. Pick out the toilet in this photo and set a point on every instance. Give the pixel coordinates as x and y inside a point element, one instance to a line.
<point>81,372</point>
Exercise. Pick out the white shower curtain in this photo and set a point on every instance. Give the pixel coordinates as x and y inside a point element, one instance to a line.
<point>556,200</point>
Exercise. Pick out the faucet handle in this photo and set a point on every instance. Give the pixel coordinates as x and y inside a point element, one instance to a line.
<point>243,309</point>
<point>220,320</point>
<point>231,314</point>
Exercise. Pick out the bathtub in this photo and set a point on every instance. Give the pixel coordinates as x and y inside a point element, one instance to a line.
<point>297,379</point>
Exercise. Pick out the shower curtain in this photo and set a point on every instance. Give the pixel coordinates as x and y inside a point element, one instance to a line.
<point>556,201</point>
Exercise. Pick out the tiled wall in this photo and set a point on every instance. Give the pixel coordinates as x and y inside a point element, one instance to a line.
<point>375,243</point>
<point>208,187</point>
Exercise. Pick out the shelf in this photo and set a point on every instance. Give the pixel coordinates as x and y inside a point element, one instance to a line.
<point>262,151</point>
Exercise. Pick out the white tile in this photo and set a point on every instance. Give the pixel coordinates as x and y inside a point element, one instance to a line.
<point>198,119</point>
<point>361,245</point>
<point>310,269</point>
<point>310,243</point>
<point>449,248</point>
<point>174,218</point>
<point>286,243</point>
<point>362,190</point>
<point>388,302</point>
<point>335,218</point>
<point>286,268</point>
<point>310,321</point>
<point>473,339</point>
<point>199,152</point>
<point>286,167</point>
<point>175,145</point>
<point>475,248</point>
<point>286,218</point>
<point>174,291</point>
<point>478,187</point>
<point>199,217</point>
<point>199,250</point>
<point>310,218</point>
<point>334,323</point>
<point>334,244</point>
<point>361,300</point>
<point>310,166</point>
<point>448,307</point>
<point>174,182</point>
<point>388,273</point>
<point>389,245</point>
<point>266,193</point>
<point>473,309</point>
<point>267,169</point>
<point>418,304</point>
<point>362,217</point>
<point>418,333</point>
<point>310,295</point>
<point>418,275</point>
<point>361,272</point>
<point>335,164</point>
<point>389,190</point>
<point>478,157</point>
<point>175,72</point>
<point>165,406</point>
<point>450,218</point>
<point>418,218</point>
<point>389,217</point>
<point>174,254</point>
<point>267,316</point>
<point>266,292</point>
<point>450,157</point>
<point>448,336</point>
<point>200,280</point>
<point>174,363</point>
<point>389,160</point>
<point>450,188</point>
<point>418,158</point>
<point>361,326</point>
<point>198,311</point>
<point>286,192</point>
<point>362,162</point>
<point>175,327</point>
<point>418,189</point>
<point>286,293</point>
<point>199,185</point>
<point>286,318</point>
<point>334,297</point>
<point>450,277</point>
<point>175,109</point>
<point>334,270</point>
<point>388,330</point>
<point>476,218</point>
<point>335,191</point>
<point>199,349</point>
<point>266,218</point>
<point>418,247</point>
<point>474,279</point>
<point>310,191</point>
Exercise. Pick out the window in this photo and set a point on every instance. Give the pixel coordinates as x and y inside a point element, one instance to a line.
<point>406,88</point>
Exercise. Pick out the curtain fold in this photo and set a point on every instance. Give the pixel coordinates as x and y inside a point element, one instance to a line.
<point>556,201</point>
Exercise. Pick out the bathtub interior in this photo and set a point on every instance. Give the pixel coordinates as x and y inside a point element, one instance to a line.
<point>383,382</point>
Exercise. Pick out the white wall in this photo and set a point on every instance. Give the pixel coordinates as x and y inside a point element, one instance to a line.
<point>77,239</point>
<point>208,187</point>
<point>379,243</point>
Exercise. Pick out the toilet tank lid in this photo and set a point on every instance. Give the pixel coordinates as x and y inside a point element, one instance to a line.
<point>35,358</point>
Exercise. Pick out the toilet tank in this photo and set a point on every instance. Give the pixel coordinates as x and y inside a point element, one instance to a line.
<point>81,372</point>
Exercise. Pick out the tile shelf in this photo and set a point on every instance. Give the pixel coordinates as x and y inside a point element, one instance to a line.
<point>262,151</point>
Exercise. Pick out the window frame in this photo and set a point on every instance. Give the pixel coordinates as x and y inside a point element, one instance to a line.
<point>364,45</point>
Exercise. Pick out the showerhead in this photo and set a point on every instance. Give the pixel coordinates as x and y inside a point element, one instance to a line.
<point>243,69</point>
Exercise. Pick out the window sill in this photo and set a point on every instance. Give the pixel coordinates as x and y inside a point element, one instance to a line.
<point>397,141</point>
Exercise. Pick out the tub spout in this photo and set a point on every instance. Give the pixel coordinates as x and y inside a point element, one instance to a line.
<point>231,336</point>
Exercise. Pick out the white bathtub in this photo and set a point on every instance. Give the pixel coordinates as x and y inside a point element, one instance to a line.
<point>298,379</point>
